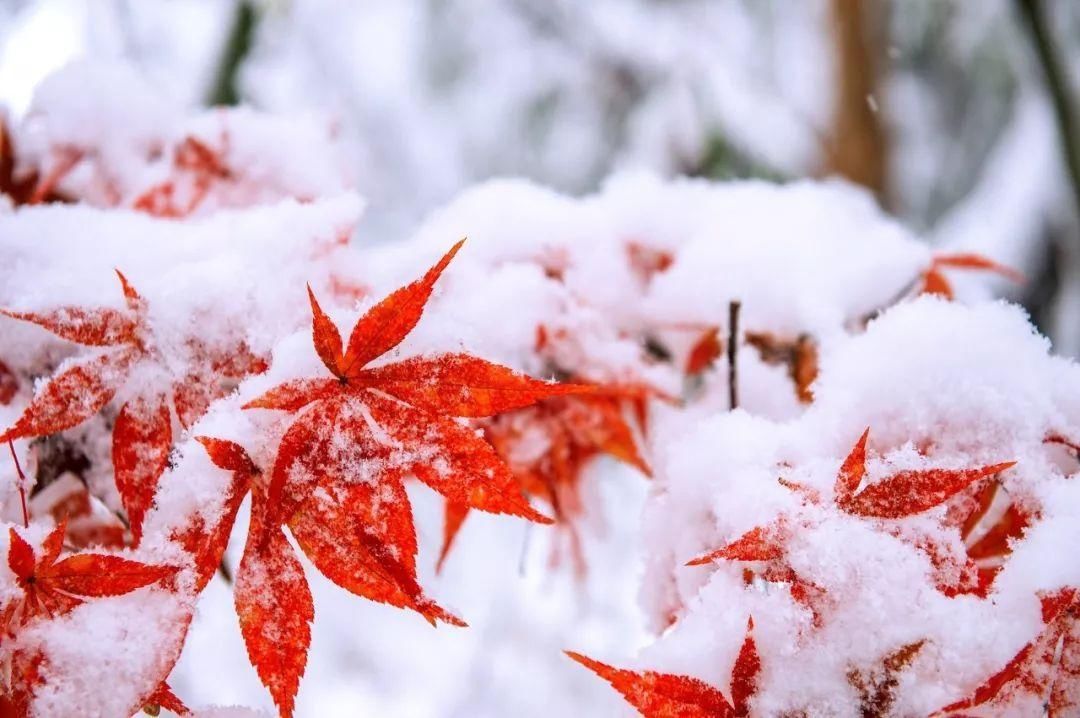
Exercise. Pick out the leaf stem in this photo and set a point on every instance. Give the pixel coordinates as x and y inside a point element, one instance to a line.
<point>22,484</point>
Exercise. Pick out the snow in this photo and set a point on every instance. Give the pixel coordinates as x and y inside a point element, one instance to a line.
<point>939,384</point>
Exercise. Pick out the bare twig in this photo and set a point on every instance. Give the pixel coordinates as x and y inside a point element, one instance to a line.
<point>733,354</point>
<point>1033,12</point>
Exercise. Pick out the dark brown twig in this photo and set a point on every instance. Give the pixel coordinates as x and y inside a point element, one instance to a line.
<point>733,354</point>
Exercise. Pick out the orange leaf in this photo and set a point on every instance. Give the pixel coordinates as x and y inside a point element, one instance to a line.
<point>274,605</point>
<point>142,439</point>
<point>852,470</point>
<point>457,463</point>
<point>92,327</point>
<point>72,396</point>
<point>704,352</point>
<point>361,537</point>
<point>454,516</point>
<point>228,455</point>
<point>295,395</point>
<point>757,544</point>
<point>87,574</point>
<point>661,695</point>
<point>744,676</point>
<point>51,588</point>
<point>326,336</point>
<point>934,282</point>
<point>207,544</point>
<point>163,697</point>
<point>995,542</point>
<point>911,492</point>
<point>977,261</point>
<point>384,325</point>
<point>461,385</point>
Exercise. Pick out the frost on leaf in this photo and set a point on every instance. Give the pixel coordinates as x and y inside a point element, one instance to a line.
<point>142,437</point>
<point>52,586</point>
<point>273,602</point>
<point>1047,669</point>
<point>405,409</point>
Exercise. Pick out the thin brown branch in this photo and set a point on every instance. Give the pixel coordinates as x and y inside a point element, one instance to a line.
<point>733,354</point>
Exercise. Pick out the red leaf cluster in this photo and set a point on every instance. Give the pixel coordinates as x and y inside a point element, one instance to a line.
<point>196,166</point>
<point>904,493</point>
<point>142,435</point>
<point>1047,669</point>
<point>51,587</point>
<point>338,477</point>
<point>571,431</point>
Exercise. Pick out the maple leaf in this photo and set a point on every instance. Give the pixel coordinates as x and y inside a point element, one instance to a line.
<point>163,697</point>
<point>757,544</point>
<point>196,166</point>
<point>904,493</point>
<point>359,536</point>
<point>27,187</point>
<point>274,605</point>
<point>704,351</point>
<point>935,282</point>
<point>877,687</point>
<point>142,435</point>
<point>1047,668</point>
<point>52,586</point>
<point>338,476</point>
<point>410,402</point>
<point>664,695</point>
<point>799,355</point>
<point>571,431</point>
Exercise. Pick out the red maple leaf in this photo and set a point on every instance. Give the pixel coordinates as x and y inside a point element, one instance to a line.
<point>196,167</point>
<point>1047,668</point>
<point>142,435</point>
<point>337,479</point>
<point>29,187</point>
<point>705,350</point>
<point>664,695</point>
<point>52,586</point>
<point>905,493</point>
<point>902,494</point>
<point>163,697</point>
<point>547,447</point>
<point>933,279</point>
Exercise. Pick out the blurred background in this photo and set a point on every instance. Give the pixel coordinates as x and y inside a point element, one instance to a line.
<point>960,117</point>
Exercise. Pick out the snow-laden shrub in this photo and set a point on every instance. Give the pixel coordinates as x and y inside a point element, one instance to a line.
<point>186,324</point>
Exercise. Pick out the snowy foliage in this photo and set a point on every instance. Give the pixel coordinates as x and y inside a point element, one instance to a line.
<point>892,574</point>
